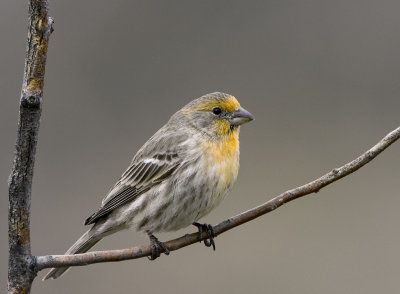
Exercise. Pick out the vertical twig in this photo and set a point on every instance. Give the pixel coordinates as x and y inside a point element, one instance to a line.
<point>22,265</point>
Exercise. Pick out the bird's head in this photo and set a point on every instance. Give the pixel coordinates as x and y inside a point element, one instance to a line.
<point>216,114</point>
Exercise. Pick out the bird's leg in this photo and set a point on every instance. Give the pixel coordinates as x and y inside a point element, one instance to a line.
<point>157,247</point>
<point>210,233</point>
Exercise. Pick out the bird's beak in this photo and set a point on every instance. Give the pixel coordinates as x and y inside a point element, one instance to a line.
<point>240,116</point>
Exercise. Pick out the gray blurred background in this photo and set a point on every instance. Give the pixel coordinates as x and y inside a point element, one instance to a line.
<point>322,79</point>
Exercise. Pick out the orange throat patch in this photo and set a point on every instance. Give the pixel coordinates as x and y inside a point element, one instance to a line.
<point>222,156</point>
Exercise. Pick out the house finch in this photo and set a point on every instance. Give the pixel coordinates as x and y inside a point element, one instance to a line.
<point>179,175</point>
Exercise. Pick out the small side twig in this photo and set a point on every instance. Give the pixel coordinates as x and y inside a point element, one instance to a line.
<point>49,261</point>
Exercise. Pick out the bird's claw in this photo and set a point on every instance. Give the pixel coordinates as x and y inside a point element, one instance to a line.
<point>157,247</point>
<point>210,234</point>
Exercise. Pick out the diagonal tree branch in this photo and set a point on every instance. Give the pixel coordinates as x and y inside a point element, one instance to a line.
<point>49,261</point>
<point>23,267</point>
<point>21,264</point>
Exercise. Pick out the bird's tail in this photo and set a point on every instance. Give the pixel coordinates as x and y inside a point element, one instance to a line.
<point>82,245</point>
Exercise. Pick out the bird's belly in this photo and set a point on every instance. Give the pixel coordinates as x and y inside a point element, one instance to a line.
<point>176,204</point>
<point>201,192</point>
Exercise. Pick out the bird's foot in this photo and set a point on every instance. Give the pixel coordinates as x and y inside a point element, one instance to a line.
<point>157,247</point>
<point>210,233</point>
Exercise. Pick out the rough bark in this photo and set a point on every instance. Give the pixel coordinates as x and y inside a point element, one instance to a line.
<point>22,265</point>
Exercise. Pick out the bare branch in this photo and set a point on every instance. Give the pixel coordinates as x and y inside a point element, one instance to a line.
<point>21,267</point>
<point>49,261</point>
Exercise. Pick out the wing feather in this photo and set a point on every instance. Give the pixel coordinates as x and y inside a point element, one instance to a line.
<point>136,180</point>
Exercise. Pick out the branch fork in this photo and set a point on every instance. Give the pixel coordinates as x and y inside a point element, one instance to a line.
<point>23,267</point>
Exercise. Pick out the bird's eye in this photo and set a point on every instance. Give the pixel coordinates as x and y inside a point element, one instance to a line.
<point>217,110</point>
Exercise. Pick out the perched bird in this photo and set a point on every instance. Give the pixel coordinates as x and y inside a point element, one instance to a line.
<point>179,175</point>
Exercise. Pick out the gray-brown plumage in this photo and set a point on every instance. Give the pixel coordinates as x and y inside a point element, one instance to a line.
<point>179,175</point>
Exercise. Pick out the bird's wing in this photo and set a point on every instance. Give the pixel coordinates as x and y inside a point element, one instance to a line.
<point>138,178</point>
